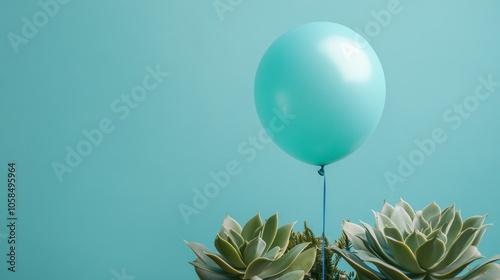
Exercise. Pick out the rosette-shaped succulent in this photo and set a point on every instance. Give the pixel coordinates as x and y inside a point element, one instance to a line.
<point>425,245</point>
<point>256,252</point>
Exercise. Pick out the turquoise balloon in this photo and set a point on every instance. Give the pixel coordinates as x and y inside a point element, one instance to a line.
<point>320,92</point>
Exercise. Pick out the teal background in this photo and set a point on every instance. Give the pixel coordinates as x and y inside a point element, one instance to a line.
<point>118,211</point>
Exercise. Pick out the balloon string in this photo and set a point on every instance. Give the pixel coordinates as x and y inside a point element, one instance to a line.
<point>322,173</point>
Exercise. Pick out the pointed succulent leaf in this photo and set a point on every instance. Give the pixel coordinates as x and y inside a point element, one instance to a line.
<point>381,238</point>
<point>352,230</point>
<point>461,244</point>
<point>249,228</point>
<point>394,233</point>
<point>409,210</point>
<point>480,234</point>
<point>229,252</point>
<point>454,230</point>
<point>372,244</point>
<point>283,236</point>
<point>200,250</point>
<point>430,211</point>
<point>358,264</point>
<point>273,253</point>
<point>257,266</point>
<point>419,222</point>
<point>303,262</point>
<point>284,262</point>
<point>401,218</point>
<point>382,221</point>
<point>231,224</point>
<point>404,256</point>
<point>387,209</point>
<point>237,238</point>
<point>485,271</point>
<point>235,246</point>
<point>388,270</point>
<point>474,222</point>
<point>470,255</point>
<point>430,253</point>
<point>222,263</point>
<point>415,240</point>
<point>447,215</point>
<point>208,274</point>
<point>215,269</point>
<point>254,249</point>
<point>270,230</point>
<point>437,234</point>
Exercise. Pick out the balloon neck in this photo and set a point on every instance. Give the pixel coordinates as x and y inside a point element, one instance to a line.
<point>321,171</point>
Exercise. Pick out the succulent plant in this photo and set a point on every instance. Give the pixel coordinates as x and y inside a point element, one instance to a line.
<point>256,252</point>
<point>425,245</point>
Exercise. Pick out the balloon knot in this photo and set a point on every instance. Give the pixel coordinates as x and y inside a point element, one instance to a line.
<point>321,171</point>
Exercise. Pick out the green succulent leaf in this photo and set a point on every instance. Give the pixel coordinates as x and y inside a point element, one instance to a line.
<point>474,222</point>
<point>470,255</point>
<point>231,224</point>
<point>254,249</point>
<point>358,264</point>
<point>222,263</point>
<point>237,238</point>
<point>404,256</point>
<point>454,230</point>
<point>415,240</point>
<point>401,219</point>
<point>447,216</point>
<point>274,253</point>
<point>250,227</point>
<point>210,274</point>
<point>419,222</point>
<point>430,253</point>
<point>303,262</point>
<point>200,251</point>
<point>257,266</point>
<point>485,271</point>
<point>270,230</point>
<point>387,209</point>
<point>293,275</point>
<point>394,233</point>
<point>283,236</point>
<point>229,253</point>
<point>355,234</point>
<point>461,244</point>
<point>284,262</point>
<point>373,246</point>
<point>382,221</point>
<point>407,207</point>
<point>431,211</point>
<point>480,234</point>
<point>389,271</point>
